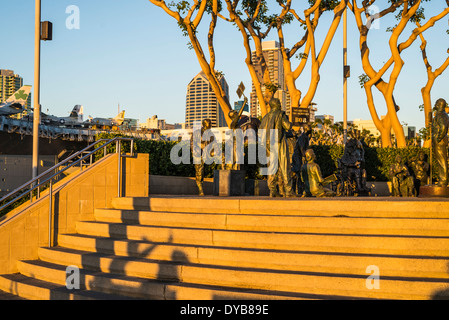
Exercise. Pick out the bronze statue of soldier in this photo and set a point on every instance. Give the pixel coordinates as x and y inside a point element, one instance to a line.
<point>401,180</point>
<point>440,125</point>
<point>243,123</point>
<point>198,146</point>
<point>277,120</point>
<point>235,119</point>
<point>420,169</point>
<point>299,156</point>
<point>352,167</point>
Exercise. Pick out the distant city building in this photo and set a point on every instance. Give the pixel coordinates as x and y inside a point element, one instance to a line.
<point>180,125</point>
<point>273,58</point>
<point>153,123</point>
<point>238,105</point>
<point>409,132</point>
<point>312,111</point>
<point>161,124</point>
<point>130,124</point>
<point>9,84</point>
<point>325,117</point>
<point>186,133</point>
<point>202,103</point>
<point>366,124</point>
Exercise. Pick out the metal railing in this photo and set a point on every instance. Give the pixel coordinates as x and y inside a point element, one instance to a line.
<point>48,177</point>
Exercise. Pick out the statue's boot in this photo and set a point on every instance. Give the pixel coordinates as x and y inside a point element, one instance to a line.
<point>288,191</point>
<point>200,189</point>
<point>291,195</point>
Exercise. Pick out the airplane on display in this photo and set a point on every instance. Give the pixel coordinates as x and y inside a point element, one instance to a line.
<point>16,103</point>
<point>103,123</point>
<point>74,120</point>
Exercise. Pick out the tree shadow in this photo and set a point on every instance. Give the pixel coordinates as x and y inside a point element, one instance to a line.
<point>149,288</point>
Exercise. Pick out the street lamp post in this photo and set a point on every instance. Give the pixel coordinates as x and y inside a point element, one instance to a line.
<point>46,26</point>
<point>36,97</point>
<point>345,75</point>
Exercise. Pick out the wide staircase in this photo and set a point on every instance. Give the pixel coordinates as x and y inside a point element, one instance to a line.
<point>165,247</point>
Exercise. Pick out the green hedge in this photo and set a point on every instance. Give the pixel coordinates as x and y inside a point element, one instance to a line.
<point>378,160</point>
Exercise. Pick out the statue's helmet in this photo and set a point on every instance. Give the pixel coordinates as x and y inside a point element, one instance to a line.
<point>206,124</point>
<point>440,105</point>
<point>275,103</point>
<point>310,155</point>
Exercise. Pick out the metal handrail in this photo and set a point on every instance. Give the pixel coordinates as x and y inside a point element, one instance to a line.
<point>35,183</point>
<point>36,179</point>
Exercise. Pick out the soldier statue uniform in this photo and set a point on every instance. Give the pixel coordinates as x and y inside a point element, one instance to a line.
<point>401,180</point>
<point>198,146</point>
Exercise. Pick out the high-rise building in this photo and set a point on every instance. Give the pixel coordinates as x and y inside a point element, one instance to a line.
<point>239,104</point>
<point>273,59</point>
<point>9,84</point>
<point>202,103</point>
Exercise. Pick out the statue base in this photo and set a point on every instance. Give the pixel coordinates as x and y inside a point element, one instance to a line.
<point>433,191</point>
<point>229,183</point>
<point>256,187</point>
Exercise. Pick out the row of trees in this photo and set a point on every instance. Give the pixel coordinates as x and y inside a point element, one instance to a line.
<point>327,133</point>
<point>255,19</point>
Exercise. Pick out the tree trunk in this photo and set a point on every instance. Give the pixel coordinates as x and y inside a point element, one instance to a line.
<point>425,92</point>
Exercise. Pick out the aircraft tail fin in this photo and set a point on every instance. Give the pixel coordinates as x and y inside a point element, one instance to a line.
<point>20,96</point>
<point>77,112</point>
<point>120,117</point>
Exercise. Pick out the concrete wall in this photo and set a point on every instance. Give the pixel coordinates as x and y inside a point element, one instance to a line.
<point>178,185</point>
<point>187,186</point>
<point>15,170</point>
<point>25,229</point>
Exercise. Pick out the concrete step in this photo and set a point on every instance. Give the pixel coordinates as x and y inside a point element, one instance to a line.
<point>9,296</point>
<point>141,288</point>
<point>361,244</point>
<point>390,266</point>
<point>21,286</point>
<point>193,248</point>
<point>279,223</point>
<point>126,276</point>
<point>352,207</point>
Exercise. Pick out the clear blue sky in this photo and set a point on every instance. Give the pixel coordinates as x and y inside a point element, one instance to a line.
<point>133,54</point>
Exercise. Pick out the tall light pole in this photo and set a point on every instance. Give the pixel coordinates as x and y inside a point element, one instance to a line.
<point>36,96</point>
<point>346,73</point>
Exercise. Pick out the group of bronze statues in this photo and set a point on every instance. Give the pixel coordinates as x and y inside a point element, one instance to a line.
<point>406,183</point>
<point>297,173</point>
